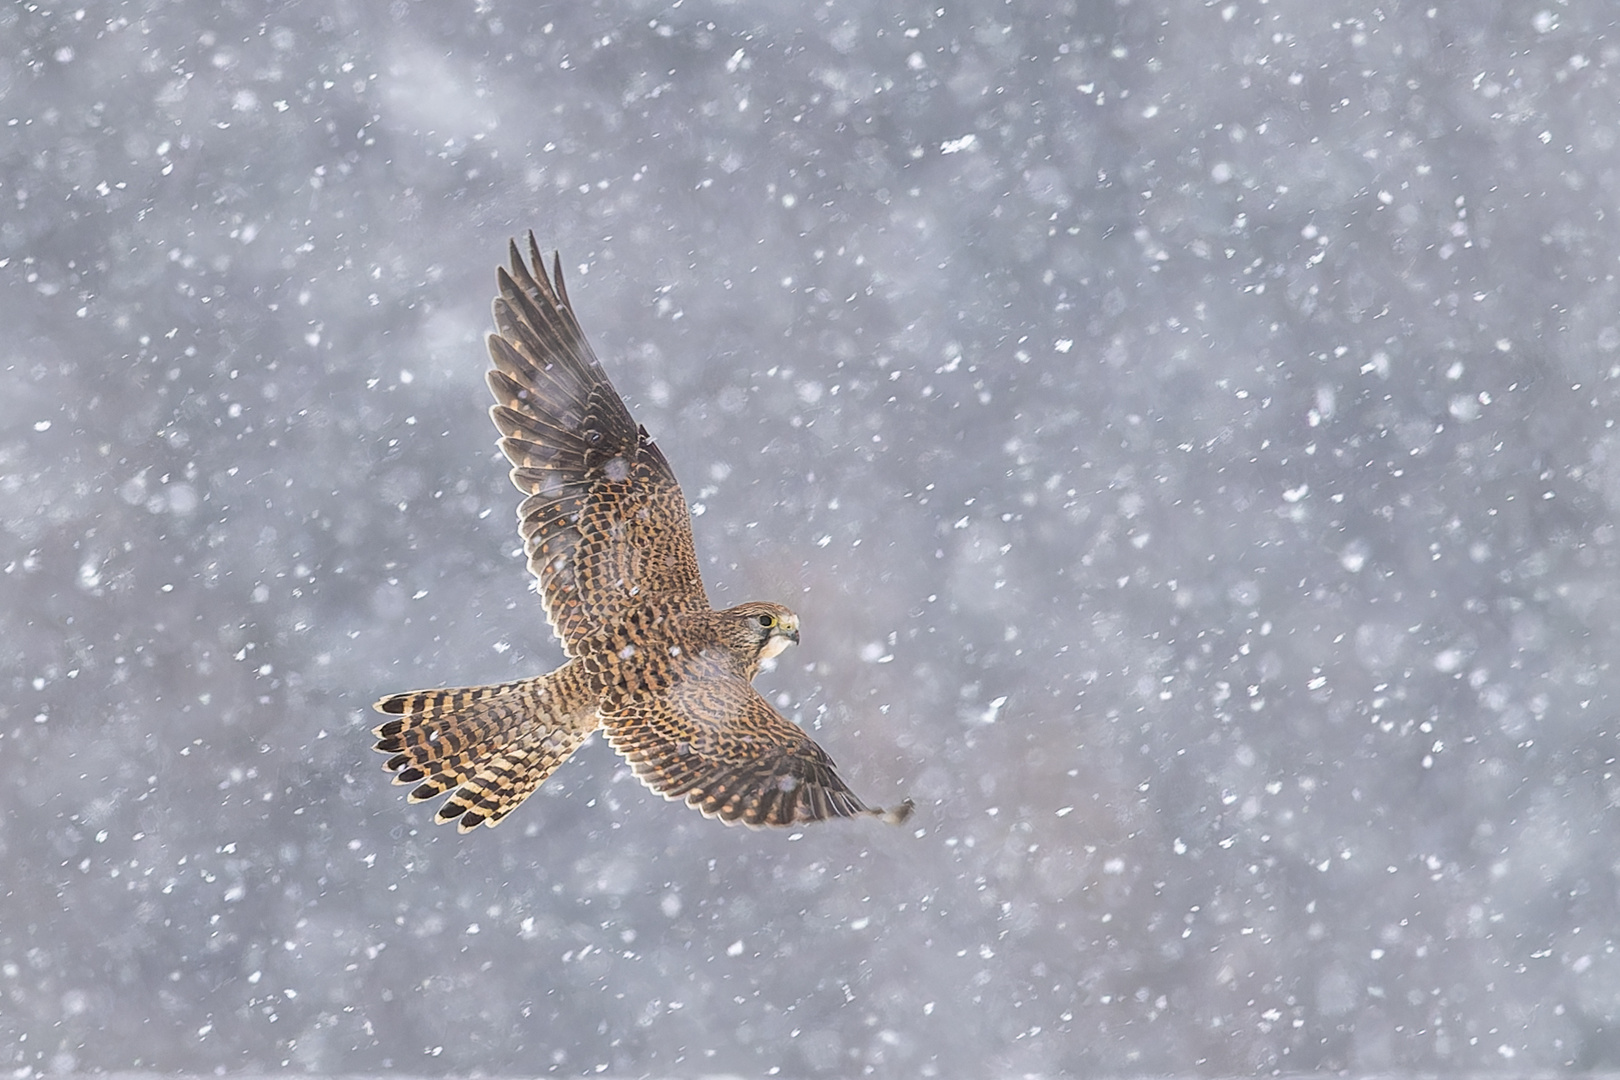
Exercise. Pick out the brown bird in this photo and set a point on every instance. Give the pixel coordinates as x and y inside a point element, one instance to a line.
<point>609,537</point>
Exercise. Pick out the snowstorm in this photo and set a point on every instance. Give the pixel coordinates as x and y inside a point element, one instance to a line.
<point>1185,433</point>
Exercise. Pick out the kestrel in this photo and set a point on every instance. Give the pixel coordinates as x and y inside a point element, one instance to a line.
<point>608,535</point>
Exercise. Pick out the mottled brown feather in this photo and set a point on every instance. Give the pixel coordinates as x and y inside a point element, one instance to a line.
<point>717,745</point>
<point>607,533</point>
<point>605,524</point>
<point>496,744</point>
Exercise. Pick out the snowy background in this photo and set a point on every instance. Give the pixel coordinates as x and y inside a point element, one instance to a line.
<point>1185,430</point>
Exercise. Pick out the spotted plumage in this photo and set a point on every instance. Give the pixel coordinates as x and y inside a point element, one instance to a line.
<point>609,538</point>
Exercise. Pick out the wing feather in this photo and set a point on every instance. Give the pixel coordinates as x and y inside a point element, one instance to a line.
<point>604,525</point>
<point>718,746</point>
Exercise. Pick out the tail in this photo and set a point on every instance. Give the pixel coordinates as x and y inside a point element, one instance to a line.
<point>494,745</point>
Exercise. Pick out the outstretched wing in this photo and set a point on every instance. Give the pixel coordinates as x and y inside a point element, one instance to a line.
<point>605,526</point>
<point>715,744</point>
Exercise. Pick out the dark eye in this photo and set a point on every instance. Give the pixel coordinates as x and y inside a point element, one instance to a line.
<point>767,621</point>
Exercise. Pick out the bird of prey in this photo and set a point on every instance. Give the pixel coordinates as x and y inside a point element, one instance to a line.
<point>608,535</point>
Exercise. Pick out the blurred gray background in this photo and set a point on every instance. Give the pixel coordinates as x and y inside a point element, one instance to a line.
<point>1186,431</point>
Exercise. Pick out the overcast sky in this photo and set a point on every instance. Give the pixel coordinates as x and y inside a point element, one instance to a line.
<point>1185,431</point>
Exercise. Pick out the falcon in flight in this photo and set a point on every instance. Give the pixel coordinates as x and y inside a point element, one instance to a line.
<point>608,535</point>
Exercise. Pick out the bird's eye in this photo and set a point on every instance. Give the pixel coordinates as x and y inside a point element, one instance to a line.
<point>767,621</point>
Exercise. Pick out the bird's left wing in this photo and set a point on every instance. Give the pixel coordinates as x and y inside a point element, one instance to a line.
<point>605,525</point>
<point>718,746</point>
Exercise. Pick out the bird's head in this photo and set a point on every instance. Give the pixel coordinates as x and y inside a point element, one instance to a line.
<point>760,629</point>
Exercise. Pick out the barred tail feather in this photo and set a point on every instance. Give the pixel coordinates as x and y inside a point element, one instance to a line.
<point>492,746</point>
<point>505,780</point>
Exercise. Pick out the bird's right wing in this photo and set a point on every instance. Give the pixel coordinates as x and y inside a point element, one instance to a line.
<point>605,525</point>
<point>718,746</point>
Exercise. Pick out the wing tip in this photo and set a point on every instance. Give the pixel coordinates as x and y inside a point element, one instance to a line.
<point>896,815</point>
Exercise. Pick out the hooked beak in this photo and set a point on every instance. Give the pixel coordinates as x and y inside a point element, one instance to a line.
<point>781,637</point>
